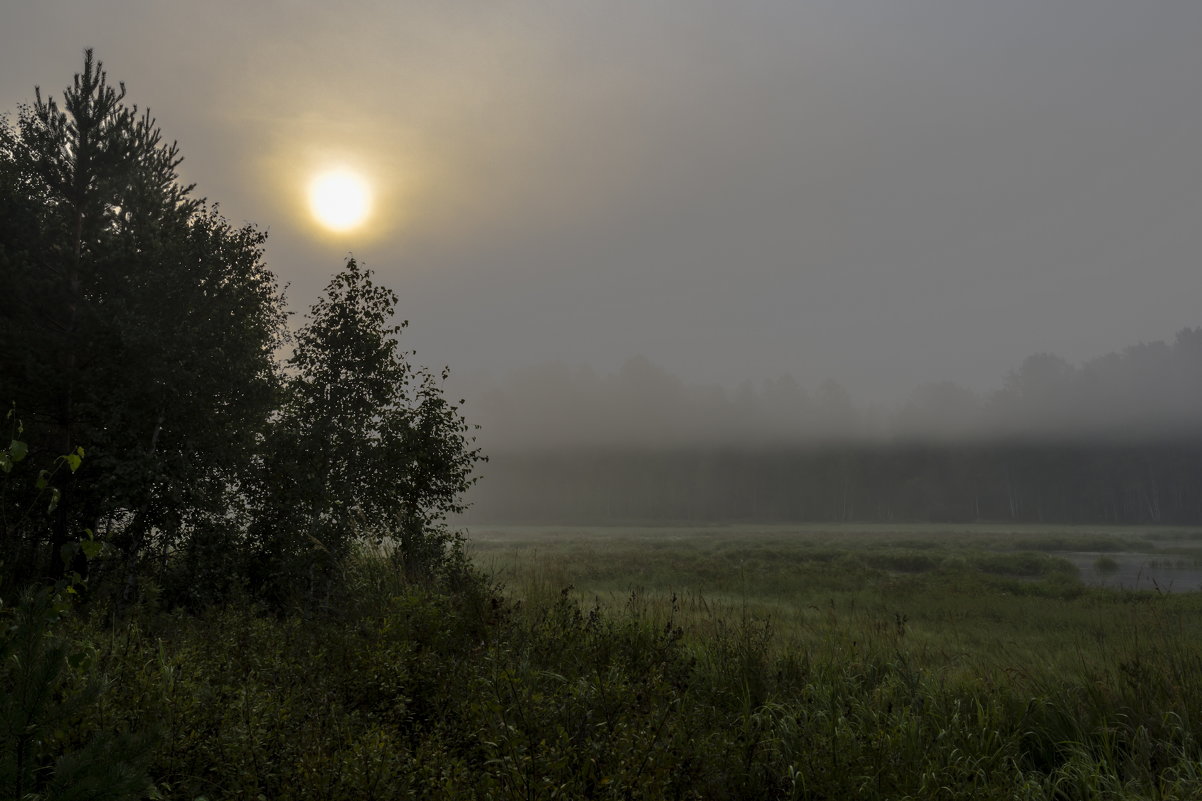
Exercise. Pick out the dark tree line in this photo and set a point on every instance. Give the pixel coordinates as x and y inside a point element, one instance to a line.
<point>1115,440</point>
<point>1101,483</point>
<point>150,414</point>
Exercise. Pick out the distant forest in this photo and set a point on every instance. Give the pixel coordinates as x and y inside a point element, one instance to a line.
<point>1117,440</point>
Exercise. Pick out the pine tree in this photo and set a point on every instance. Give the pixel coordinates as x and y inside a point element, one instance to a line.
<point>137,323</point>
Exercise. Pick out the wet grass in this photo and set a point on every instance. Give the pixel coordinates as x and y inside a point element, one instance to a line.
<point>970,603</point>
<point>725,663</point>
<point>911,661</point>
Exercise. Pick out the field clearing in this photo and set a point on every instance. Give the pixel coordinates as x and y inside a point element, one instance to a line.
<point>965,601</point>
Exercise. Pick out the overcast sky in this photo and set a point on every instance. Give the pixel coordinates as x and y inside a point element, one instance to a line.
<point>879,192</point>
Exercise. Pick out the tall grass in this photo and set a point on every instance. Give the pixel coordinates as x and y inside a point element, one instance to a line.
<point>715,670</point>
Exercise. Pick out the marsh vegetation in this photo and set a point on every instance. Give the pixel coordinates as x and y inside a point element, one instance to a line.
<point>656,663</point>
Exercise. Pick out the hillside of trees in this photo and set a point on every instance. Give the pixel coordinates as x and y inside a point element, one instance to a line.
<point>1115,440</point>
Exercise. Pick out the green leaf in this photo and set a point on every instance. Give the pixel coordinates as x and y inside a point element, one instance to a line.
<point>17,450</point>
<point>73,461</point>
<point>90,548</point>
<point>43,480</point>
<point>78,659</point>
<point>55,496</point>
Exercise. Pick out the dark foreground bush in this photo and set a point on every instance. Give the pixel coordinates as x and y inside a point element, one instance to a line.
<point>57,740</point>
<point>429,691</point>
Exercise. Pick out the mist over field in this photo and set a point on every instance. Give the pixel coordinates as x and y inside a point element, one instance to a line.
<point>1115,439</point>
<point>1149,391</point>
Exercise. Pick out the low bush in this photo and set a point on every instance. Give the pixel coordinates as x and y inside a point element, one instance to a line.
<point>438,691</point>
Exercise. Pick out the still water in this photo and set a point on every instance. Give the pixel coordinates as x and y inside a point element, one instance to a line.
<point>1139,571</point>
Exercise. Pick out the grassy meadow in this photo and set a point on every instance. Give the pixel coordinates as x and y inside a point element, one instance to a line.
<point>987,654</point>
<point>644,663</point>
<point>966,600</point>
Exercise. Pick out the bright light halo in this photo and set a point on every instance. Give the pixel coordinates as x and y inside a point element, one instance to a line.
<point>339,199</point>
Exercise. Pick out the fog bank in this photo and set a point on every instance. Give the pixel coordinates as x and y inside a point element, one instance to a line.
<point>1150,391</point>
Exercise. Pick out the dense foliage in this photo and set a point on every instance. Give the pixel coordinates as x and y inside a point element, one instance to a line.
<point>364,447</point>
<point>413,691</point>
<point>141,331</point>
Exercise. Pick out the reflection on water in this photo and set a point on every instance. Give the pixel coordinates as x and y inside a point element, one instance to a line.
<point>1139,571</point>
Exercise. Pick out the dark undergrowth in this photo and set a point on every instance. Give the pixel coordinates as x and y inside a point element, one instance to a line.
<point>448,690</point>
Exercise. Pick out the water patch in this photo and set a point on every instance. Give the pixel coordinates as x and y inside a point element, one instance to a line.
<point>1138,571</point>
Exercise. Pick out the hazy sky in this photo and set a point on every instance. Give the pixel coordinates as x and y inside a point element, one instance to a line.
<point>880,192</point>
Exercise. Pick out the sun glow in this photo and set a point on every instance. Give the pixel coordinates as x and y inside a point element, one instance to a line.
<point>339,199</point>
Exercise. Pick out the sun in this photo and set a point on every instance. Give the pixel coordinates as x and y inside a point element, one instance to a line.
<point>339,199</point>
